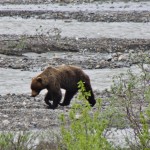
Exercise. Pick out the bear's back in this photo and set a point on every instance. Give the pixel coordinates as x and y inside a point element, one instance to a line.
<point>70,76</point>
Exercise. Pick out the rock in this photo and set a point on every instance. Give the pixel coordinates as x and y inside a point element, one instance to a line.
<point>24,103</point>
<point>147,67</point>
<point>97,67</point>
<point>131,51</point>
<point>33,124</point>
<point>115,59</point>
<point>119,53</point>
<point>122,58</point>
<point>109,58</point>
<point>5,122</point>
<point>102,64</point>
<point>6,116</point>
<point>77,116</point>
<point>114,55</point>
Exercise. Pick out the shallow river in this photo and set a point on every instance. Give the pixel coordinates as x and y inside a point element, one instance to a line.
<point>17,81</point>
<point>129,30</point>
<point>92,7</point>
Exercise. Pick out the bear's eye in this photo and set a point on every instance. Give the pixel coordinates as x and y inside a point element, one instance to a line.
<point>39,79</point>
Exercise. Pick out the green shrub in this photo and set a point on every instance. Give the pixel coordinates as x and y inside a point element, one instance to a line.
<point>131,97</point>
<point>128,106</point>
<point>16,141</point>
<point>84,128</point>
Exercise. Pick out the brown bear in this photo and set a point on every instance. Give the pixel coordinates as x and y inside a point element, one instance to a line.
<point>61,77</point>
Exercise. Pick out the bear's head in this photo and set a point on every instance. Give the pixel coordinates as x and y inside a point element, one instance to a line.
<point>36,86</point>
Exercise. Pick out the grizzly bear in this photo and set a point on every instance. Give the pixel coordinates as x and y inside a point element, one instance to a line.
<point>61,77</point>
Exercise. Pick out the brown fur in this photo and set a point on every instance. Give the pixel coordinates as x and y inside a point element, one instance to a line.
<point>62,77</point>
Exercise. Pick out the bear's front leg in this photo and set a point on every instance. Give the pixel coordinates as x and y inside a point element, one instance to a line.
<point>57,95</point>
<point>48,97</point>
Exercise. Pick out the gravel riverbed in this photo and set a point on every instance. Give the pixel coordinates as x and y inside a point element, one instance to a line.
<point>33,53</point>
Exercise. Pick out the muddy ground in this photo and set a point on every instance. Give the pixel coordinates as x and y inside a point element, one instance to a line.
<point>20,111</point>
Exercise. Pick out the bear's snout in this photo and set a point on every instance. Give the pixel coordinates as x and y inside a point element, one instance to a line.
<point>34,93</point>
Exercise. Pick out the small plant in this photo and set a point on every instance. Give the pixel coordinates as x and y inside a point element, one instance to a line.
<point>22,43</point>
<point>131,97</point>
<point>17,141</point>
<point>5,140</point>
<point>85,127</point>
<point>45,38</point>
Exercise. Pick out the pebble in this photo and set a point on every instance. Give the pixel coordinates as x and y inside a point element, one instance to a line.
<point>5,122</point>
<point>77,116</point>
<point>5,116</point>
<point>24,103</point>
<point>102,64</point>
<point>114,55</point>
<point>122,58</point>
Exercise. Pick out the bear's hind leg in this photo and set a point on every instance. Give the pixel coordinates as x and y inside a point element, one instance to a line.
<point>91,98</point>
<point>68,96</point>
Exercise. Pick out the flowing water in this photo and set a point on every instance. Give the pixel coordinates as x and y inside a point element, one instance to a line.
<point>19,26</point>
<point>92,7</point>
<point>17,81</point>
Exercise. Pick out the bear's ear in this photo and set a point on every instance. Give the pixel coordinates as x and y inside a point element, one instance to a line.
<point>39,79</point>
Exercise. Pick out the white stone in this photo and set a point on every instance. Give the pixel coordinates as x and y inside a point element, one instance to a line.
<point>6,122</point>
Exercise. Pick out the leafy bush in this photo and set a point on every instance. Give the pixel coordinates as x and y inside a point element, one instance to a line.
<point>131,97</point>
<point>14,141</point>
<point>128,107</point>
<point>85,127</point>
